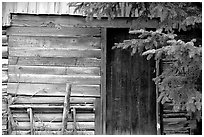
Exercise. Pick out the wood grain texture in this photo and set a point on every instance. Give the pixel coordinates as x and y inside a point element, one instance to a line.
<point>66,20</point>
<point>131,99</point>
<point>52,89</point>
<point>51,108</point>
<point>89,71</point>
<point>54,52</point>
<point>73,79</point>
<point>4,89</point>
<point>4,38</point>
<point>51,100</point>
<point>54,117</point>
<point>98,117</point>
<point>57,61</point>
<point>4,76</point>
<point>55,42</point>
<point>53,30</point>
<point>4,63</point>
<point>30,113</point>
<point>4,51</point>
<point>4,106</point>
<point>53,126</point>
<point>66,107</point>
<point>103,80</point>
<point>21,132</point>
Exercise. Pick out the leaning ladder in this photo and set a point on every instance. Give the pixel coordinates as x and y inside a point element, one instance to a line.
<point>66,109</point>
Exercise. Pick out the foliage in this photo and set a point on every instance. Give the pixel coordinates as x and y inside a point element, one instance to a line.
<point>172,15</point>
<point>178,82</point>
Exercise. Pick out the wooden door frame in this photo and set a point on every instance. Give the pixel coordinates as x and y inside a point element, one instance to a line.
<point>103,79</point>
<point>103,84</point>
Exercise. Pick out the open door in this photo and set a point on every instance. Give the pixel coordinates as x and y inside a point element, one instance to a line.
<point>130,97</point>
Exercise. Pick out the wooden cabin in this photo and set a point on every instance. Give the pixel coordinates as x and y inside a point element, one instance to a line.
<point>112,92</point>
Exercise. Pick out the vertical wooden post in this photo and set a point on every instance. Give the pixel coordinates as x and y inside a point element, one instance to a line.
<point>74,121</point>
<point>157,103</point>
<point>102,114</point>
<point>30,114</point>
<point>98,112</point>
<point>9,115</point>
<point>66,108</point>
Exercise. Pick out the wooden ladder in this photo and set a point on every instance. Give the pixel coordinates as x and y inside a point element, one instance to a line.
<point>30,108</point>
<point>66,111</point>
<point>66,108</point>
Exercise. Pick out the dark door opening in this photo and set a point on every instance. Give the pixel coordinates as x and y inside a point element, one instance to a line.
<point>130,96</point>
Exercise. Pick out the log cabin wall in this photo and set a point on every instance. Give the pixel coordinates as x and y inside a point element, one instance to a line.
<point>40,65</point>
<point>28,62</point>
<point>4,79</point>
<point>60,8</point>
<point>42,59</point>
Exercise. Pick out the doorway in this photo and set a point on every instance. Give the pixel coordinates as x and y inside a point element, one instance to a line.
<point>130,95</point>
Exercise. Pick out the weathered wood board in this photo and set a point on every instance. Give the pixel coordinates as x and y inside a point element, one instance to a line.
<point>54,30</point>
<point>53,126</point>
<point>26,20</point>
<point>51,100</point>
<point>55,42</point>
<point>52,90</point>
<point>57,132</point>
<point>39,78</point>
<point>42,60</point>
<point>54,61</point>
<point>54,117</point>
<point>54,52</point>
<point>54,70</point>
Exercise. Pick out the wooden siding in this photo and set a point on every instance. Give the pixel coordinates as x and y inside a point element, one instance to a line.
<point>42,59</point>
<point>4,63</point>
<point>173,122</point>
<point>59,8</point>
<point>131,99</point>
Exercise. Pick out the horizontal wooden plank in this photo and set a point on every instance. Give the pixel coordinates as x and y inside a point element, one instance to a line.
<point>73,79</point>
<point>54,117</point>
<point>53,126</point>
<point>4,106</point>
<point>4,69</point>
<point>21,132</point>
<point>120,22</point>
<point>53,31</point>
<point>175,127</point>
<point>52,89</point>
<point>4,120</point>
<point>182,132</point>
<point>4,63</point>
<point>175,115</point>
<point>173,112</point>
<point>4,76</point>
<point>51,100</point>
<point>57,61</point>
<point>171,121</point>
<point>4,39</point>
<point>4,127</point>
<point>55,42</point>
<point>4,44</point>
<point>54,52</point>
<point>4,89</point>
<point>51,108</point>
<point>53,70</point>
<point>3,31</point>
<point>4,51</point>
